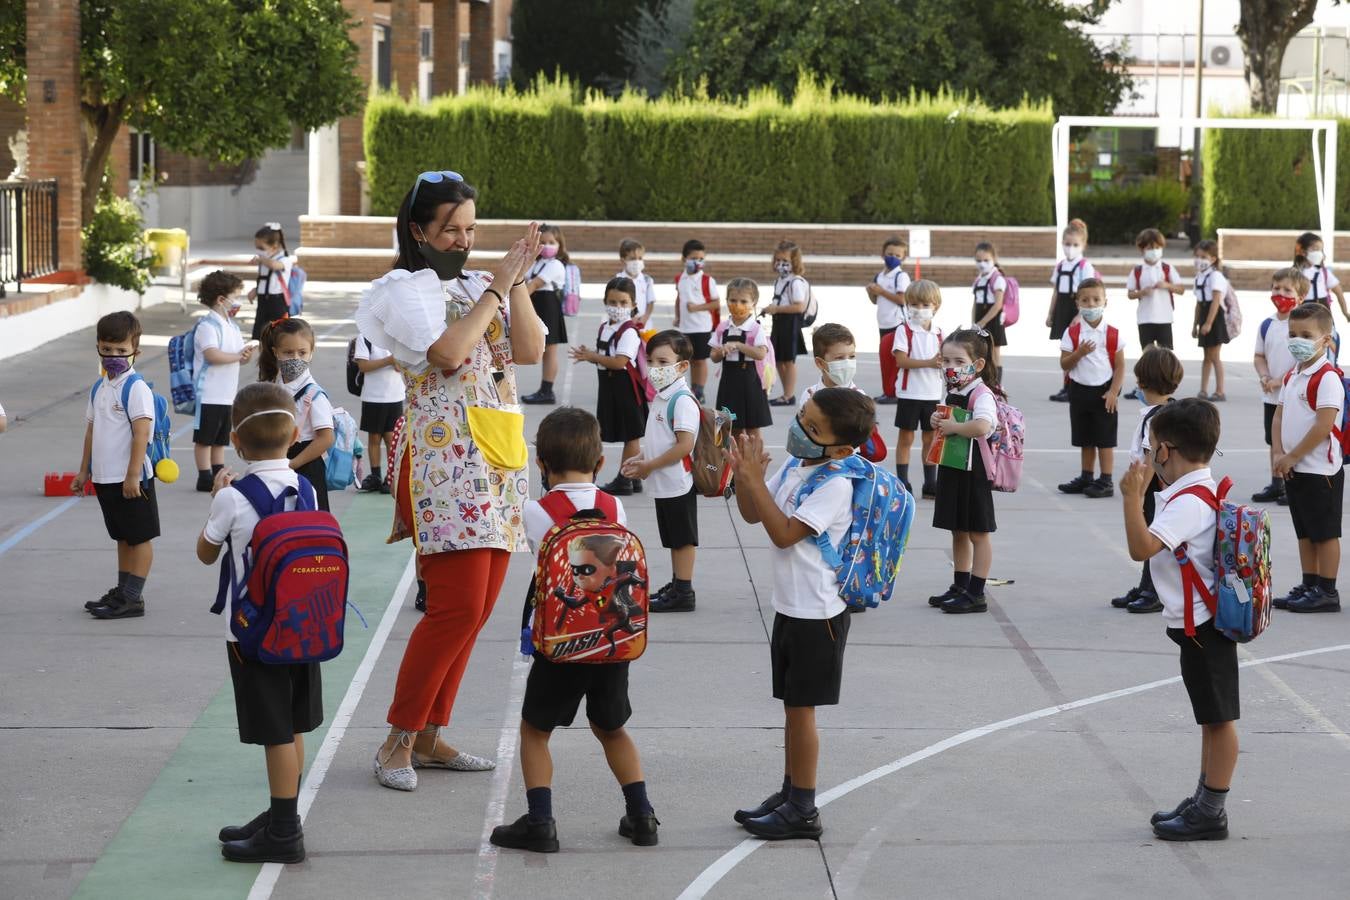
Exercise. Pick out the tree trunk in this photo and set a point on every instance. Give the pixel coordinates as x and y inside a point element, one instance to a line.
<point>104,123</point>
<point>1266,27</point>
<point>1262,70</point>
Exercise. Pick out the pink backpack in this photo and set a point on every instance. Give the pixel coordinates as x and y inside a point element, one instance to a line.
<point>1002,450</point>
<point>1012,304</point>
<point>767,367</point>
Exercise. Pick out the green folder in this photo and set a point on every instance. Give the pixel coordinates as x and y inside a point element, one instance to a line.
<point>952,450</point>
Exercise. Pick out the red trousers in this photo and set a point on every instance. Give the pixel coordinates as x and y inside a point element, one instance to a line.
<point>889,370</point>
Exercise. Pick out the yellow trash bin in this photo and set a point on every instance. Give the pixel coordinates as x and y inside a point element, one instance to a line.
<point>171,249</point>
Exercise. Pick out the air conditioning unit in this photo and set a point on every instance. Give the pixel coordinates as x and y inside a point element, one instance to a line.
<point>1223,53</point>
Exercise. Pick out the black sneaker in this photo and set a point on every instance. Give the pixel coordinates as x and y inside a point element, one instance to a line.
<point>1294,593</point>
<point>930,492</point>
<point>370,484</point>
<point>119,607</point>
<point>1193,825</point>
<point>420,601</point>
<point>1077,486</point>
<point>673,600</point>
<point>1062,396</point>
<point>522,834</point>
<point>1133,394</point>
<point>619,487</point>
<point>102,601</point>
<point>1100,488</point>
<point>1283,499</point>
<point>539,397</point>
<point>1130,595</point>
<point>1270,493</point>
<point>950,593</point>
<point>785,823</point>
<point>1316,600</point>
<point>1146,602</point>
<point>636,485</point>
<point>244,832</point>
<point>783,401</point>
<point>641,830</point>
<point>264,846</point>
<point>386,487</point>
<point>205,481</point>
<point>885,400</point>
<point>1163,815</point>
<point>966,602</point>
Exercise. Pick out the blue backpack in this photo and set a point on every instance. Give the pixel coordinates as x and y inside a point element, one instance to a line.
<point>867,560</point>
<point>294,290</point>
<point>185,385</point>
<point>339,461</point>
<point>159,447</point>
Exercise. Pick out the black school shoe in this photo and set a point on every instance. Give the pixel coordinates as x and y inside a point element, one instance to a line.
<point>966,602</point>
<point>1075,486</point>
<point>370,484</point>
<point>1130,596</point>
<point>1062,396</point>
<point>264,846</point>
<point>785,823</point>
<point>885,400</point>
<point>1193,825</point>
<point>1133,394</point>
<point>1146,602</point>
<point>783,401</point>
<point>1270,493</point>
<point>539,397</point>
<point>673,600</point>
<point>102,601</point>
<point>930,492</point>
<point>244,832</point>
<point>641,830</point>
<point>205,481</point>
<point>420,601</point>
<point>619,487</point>
<point>1163,815</point>
<point>1100,488</point>
<point>771,802</point>
<point>119,607</point>
<point>522,834</point>
<point>950,594</point>
<point>1295,592</point>
<point>1316,600</point>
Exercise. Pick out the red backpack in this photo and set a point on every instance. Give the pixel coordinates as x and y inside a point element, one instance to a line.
<point>1112,339</point>
<point>289,604</point>
<point>1340,432</point>
<point>589,595</point>
<point>637,367</point>
<point>1168,275</point>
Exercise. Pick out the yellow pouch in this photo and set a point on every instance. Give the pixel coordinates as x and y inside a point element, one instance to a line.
<point>500,435</point>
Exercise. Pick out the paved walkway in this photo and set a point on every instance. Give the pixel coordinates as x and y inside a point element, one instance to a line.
<point>1018,752</point>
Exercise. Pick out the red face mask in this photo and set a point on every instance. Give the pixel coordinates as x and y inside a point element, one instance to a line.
<point>1283,304</point>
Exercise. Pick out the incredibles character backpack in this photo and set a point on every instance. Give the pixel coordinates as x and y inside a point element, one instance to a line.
<point>867,560</point>
<point>1240,599</point>
<point>589,595</point>
<point>289,604</point>
<point>707,463</point>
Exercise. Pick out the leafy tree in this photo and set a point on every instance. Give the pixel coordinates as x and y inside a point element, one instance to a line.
<point>221,79</point>
<point>652,42</point>
<point>581,40</point>
<point>1265,28</point>
<point>1000,50</point>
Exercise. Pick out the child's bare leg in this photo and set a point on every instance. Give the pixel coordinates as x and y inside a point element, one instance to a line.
<point>621,754</point>
<point>217,456</point>
<point>1108,457</point>
<point>787,374</point>
<point>550,363</point>
<point>1307,555</point>
<point>124,557</point>
<point>138,558</point>
<point>1218,368</point>
<point>802,745</point>
<point>982,555</point>
<point>963,551</point>
<point>283,771</point>
<point>1222,754</point>
<point>927,443</point>
<point>1087,459</point>
<point>299,742</point>
<point>1328,556</point>
<point>536,763</point>
<point>682,562</point>
<point>698,374</point>
<point>631,449</point>
<point>373,441</point>
<point>201,455</point>
<point>904,442</point>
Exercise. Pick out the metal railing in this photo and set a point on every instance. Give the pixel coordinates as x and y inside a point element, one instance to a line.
<point>28,231</point>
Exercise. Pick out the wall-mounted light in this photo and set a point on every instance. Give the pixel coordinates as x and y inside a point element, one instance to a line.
<point>49,90</point>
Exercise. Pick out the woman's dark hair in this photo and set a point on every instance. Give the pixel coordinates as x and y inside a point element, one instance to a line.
<point>1301,245</point>
<point>430,196</point>
<point>979,345</point>
<point>624,285</point>
<point>271,233</point>
<point>267,355</point>
<point>217,284</point>
<point>556,231</point>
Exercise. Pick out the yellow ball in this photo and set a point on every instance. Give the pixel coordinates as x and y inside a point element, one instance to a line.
<point>166,470</point>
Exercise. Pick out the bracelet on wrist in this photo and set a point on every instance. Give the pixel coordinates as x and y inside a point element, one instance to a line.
<point>493,291</point>
<point>518,283</point>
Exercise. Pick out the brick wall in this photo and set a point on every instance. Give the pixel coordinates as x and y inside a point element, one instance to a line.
<point>1276,245</point>
<point>445,47</point>
<point>12,120</point>
<point>351,137</point>
<point>482,39</point>
<point>405,36</point>
<point>55,130</point>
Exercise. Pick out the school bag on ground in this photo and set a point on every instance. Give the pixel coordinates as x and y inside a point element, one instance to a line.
<point>289,604</point>
<point>636,368</point>
<point>339,460</point>
<point>1002,450</point>
<point>185,385</point>
<point>1340,432</point>
<point>356,379</point>
<point>158,448</point>
<point>571,293</point>
<point>1012,301</point>
<point>589,595</point>
<point>707,463</point>
<point>766,368</point>
<point>293,289</point>
<point>1240,599</point>
<point>867,560</point>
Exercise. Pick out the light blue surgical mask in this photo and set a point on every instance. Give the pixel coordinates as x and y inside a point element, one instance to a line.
<point>1091,314</point>
<point>693,265</point>
<point>1302,349</point>
<point>801,445</point>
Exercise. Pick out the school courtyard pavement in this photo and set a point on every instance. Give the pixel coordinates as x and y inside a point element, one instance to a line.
<point>1017,753</point>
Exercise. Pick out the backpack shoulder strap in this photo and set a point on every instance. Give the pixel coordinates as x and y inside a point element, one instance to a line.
<point>1314,382</point>
<point>1112,342</point>
<point>559,506</point>
<point>670,406</point>
<point>126,392</point>
<point>706,284</point>
<point>1138,271</point>
<point>1265,327</point>
<point>255,491</point>
<point>93,390</point>
<point>1190,576</point>
<point>1074,331</point>
<point>607,505</point>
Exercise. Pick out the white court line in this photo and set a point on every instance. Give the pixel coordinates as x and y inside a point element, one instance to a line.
<point>270,872</point>
<point>714,873</point>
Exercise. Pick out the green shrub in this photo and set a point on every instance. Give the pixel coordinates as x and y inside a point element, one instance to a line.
<point>1115,214</point>
<point>115,251</point>
<point>824,157</point>
<point>1265,179</point>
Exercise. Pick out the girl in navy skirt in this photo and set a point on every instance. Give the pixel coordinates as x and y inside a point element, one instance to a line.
<point>965,499</point>
<point>621,405</point>
<point>791,296</point>
<point>741,344</point>
<point>989,287</point>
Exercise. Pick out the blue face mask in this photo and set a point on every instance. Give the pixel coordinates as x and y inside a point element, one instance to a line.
<point>891,262</point>
<point>1091,314</point>
<point>1302,349</point>
<point>802,445</point>
<point>693,265</point>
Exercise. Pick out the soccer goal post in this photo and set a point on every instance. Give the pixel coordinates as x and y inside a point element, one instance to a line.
<point>1324,175</point>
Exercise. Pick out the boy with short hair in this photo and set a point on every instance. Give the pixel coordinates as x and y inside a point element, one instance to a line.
<point>1153,284</point>
<point>1183,436</point>
<point>1093,354</point>
<point>382,398</point>
<point>887,293</point>
<point>672,427</point>
<point>917,351</point>
<point>275,704</point>
<point>631,253</point>
<point>696,310</point>
<point>811,622</point>
<point>836,357</point>
<point>218,348</point>
<point>120,417</point>
<point>1308,457</point>
<point>569,453</point>
<point>1273,363</point>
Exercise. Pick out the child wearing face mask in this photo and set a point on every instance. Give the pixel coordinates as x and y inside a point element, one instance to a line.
<point>965,499</point>
<point>1153,284</point>
<point>1093,353</point>
<point>274,264</point>
<point>1211,328</point>
<point>1067,276</point>
<point>120,416</point>
<point>836,358</point>
<point>740,344</point>
<point>631,253</point>
<point>286,351</point>
<point>989,288</point>
<point>887,293</point>
<point>621,405</point>
<point>1273,362</point>
<point>673,419</point>
<point>1310,260</point>
<point>918,354</point>
<point>218,349</point>
<point>546,281</point>
<point>1309,457</point>
<point>697,310</point>
<point>791,296</point>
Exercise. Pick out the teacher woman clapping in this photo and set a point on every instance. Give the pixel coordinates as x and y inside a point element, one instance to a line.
<point>460,474</point>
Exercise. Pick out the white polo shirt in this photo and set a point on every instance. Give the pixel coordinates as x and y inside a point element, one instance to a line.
<point>221,381</point>
<point>272,282</point>
<point>804,587</point>
<point>673,480</point>
<point>1183,520</point>
<point>790,289</point>
<point>1207,284</point>
<point>538,521</point>
<point>1320,282</point>
<point>1155,307</point>
<point>890,315</point>
<point>1298,415</point>
<point>689,289</point>
<point>918,342</point>
<point>820,386</point>
<point>749,331</point>
<point>551,271</point>
<point>233,517</point>
<point>383,385</point>
<point>1067,276</point>
<point>316,412</point>
<point>1272,342</point>
<point>1139,442</point>
<point>1096,367</point>
<point>112,428</point>
<point>629,343</point>
<point>646,291</point>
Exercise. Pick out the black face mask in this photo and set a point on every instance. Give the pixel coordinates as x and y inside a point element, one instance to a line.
<point>447,264</point>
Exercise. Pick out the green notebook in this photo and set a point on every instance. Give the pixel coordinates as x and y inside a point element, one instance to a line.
<point>951,450</point>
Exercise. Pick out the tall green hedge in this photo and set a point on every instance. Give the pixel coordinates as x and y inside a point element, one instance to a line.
<point>551,152</point>
<point>1265,179</point>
